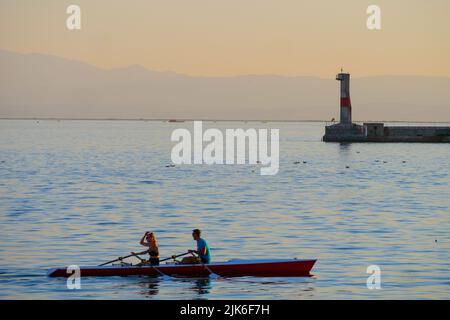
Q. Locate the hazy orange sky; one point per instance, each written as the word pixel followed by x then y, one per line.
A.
pixel 235 37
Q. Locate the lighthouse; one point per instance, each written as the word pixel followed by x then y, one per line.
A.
pixel 346 131
pixel 346 105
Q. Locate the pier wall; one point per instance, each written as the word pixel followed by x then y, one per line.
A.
pixel 407 131
pixel 377 132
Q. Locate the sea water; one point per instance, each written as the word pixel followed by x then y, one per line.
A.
pixel 84 192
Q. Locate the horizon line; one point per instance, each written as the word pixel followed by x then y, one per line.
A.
pixel 180 120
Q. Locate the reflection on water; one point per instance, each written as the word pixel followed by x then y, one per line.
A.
pixel 83 192
pixel 198 286
pixel 202 286
pixel 344 146
pixel 149 286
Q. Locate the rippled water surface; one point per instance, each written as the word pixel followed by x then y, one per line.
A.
pixel 83 192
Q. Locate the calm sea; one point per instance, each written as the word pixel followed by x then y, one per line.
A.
pixel 84 192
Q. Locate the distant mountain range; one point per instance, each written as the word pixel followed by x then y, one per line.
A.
pixel 37 85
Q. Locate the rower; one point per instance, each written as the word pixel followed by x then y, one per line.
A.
pixel 149 240
pixel 203 251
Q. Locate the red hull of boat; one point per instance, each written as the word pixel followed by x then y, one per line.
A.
pixel 268 268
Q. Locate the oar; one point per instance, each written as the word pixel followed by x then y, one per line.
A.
pixel 142 260
pixel 120 258
pixel 134 255
pixel 175 256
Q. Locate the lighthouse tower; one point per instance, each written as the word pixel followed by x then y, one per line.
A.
pixel 346 106
pixel 345 130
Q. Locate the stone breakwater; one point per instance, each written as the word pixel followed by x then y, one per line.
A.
pixel 378 132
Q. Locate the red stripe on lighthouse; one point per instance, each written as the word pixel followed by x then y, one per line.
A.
pixel 345 102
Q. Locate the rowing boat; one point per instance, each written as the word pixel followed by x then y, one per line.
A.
pixel 232 268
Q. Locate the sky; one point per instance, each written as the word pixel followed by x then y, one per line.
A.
pixel 238 37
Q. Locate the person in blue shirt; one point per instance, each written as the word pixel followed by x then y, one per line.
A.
pixel 203 251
